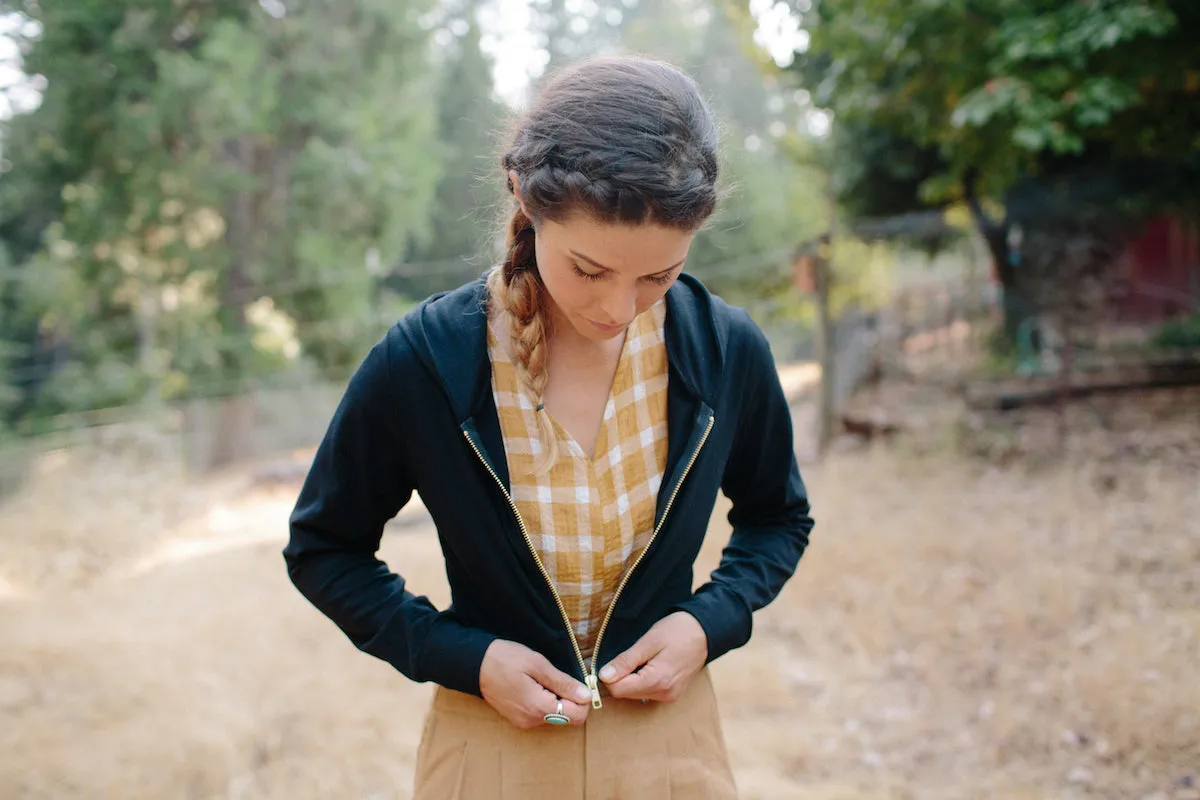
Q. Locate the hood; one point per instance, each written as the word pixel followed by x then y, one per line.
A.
pixel 449 335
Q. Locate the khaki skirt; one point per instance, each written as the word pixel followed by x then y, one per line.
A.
pixel 627 750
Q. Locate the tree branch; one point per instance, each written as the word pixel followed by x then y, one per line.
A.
pixel 987 225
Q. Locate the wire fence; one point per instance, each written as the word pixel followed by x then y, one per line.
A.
pixel 943 323
pixel 937 311
pixel 276 419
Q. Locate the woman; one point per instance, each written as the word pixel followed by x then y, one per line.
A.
pixel 568 421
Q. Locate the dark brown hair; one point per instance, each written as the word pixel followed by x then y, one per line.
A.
pixel 622 140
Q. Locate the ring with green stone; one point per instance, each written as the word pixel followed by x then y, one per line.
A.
pixel 557 717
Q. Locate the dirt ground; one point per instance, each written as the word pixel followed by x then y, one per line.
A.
pixel 957 630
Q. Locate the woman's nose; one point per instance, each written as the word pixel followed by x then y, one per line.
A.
pixel 621 306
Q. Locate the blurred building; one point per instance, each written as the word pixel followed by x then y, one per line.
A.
pixel 1160 272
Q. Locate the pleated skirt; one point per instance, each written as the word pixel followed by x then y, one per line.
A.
pixel 627 750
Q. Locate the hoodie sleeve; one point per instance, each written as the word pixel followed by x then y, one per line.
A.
pixel 359 479
pixel 770 513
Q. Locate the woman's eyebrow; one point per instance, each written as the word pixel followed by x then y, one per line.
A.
pixel 595 264
pixel 603 268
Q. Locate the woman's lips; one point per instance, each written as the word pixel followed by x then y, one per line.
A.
pixel 608 328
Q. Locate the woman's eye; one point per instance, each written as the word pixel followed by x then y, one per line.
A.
pixel 587 276
pixel 661 280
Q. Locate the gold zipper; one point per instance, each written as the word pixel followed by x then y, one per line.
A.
pixel 591 683
pixel 590 676
pixel 596 703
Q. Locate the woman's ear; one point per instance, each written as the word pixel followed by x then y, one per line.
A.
pixel 515 183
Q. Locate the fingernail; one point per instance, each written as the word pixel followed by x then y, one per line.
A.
pixel 583 694
pixel 608 673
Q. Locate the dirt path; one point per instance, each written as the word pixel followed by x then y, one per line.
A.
pixel 954 632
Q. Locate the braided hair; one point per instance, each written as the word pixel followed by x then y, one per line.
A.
pixel 620 139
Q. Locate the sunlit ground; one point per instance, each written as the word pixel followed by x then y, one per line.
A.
pixel 956 631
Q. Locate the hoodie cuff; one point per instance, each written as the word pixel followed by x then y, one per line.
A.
pixel 726 620
pixel 453 654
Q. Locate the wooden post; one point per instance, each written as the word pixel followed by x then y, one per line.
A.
pixel 822 279
pixel 828 349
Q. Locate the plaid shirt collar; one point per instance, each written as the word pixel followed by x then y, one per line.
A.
pixel 454 326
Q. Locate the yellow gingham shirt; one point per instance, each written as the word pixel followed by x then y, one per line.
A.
pixel 589 520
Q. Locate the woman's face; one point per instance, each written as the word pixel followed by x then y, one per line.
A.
pixel 600 276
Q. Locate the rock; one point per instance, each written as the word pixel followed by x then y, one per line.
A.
pixel 867 429
pixel 1073 738
pixel 987 709
pixel 1080 775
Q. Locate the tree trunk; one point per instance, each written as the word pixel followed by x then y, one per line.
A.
pixel 828 401
pixel 822 279
pixel 1015 306
pixel 251 215
pixel 233 433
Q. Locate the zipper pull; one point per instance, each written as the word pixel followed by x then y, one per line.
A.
pixel 593 683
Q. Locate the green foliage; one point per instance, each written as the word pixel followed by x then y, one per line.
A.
pixel 455 242
pixel 217 194
pixel 1046 90
pixel 1030 112
pixel 997 87
pixel 1182 333
pixel 196 200
pixel 772 205
pixel 774 200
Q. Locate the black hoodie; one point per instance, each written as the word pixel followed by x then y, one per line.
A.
pixel 418 415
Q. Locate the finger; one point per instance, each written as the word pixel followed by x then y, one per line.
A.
pixel 557 681
pixel 648 684
pixel 548 703
pixel 633 687
pixel 540 702
pixel 578 712
pixel 632 659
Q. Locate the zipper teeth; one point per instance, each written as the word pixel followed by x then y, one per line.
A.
pixel 670 502
pixel 529 541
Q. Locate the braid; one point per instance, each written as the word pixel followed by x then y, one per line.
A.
pixel 520 297
pixel 621 140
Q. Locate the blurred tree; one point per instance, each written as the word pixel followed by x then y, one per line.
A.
pixel 30 200
pixel 213 185
pixel 731 68
pixel 456 243
pixel 311 135
pixel 575 29
pixel 773 201
pixel 1000 102
pixel 667 29
pixel 80 159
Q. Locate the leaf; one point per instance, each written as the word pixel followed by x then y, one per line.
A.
pixel 978 107
pixel 1031 138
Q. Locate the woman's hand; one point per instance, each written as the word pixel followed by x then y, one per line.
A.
pixel 662 663
pixel 523 686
